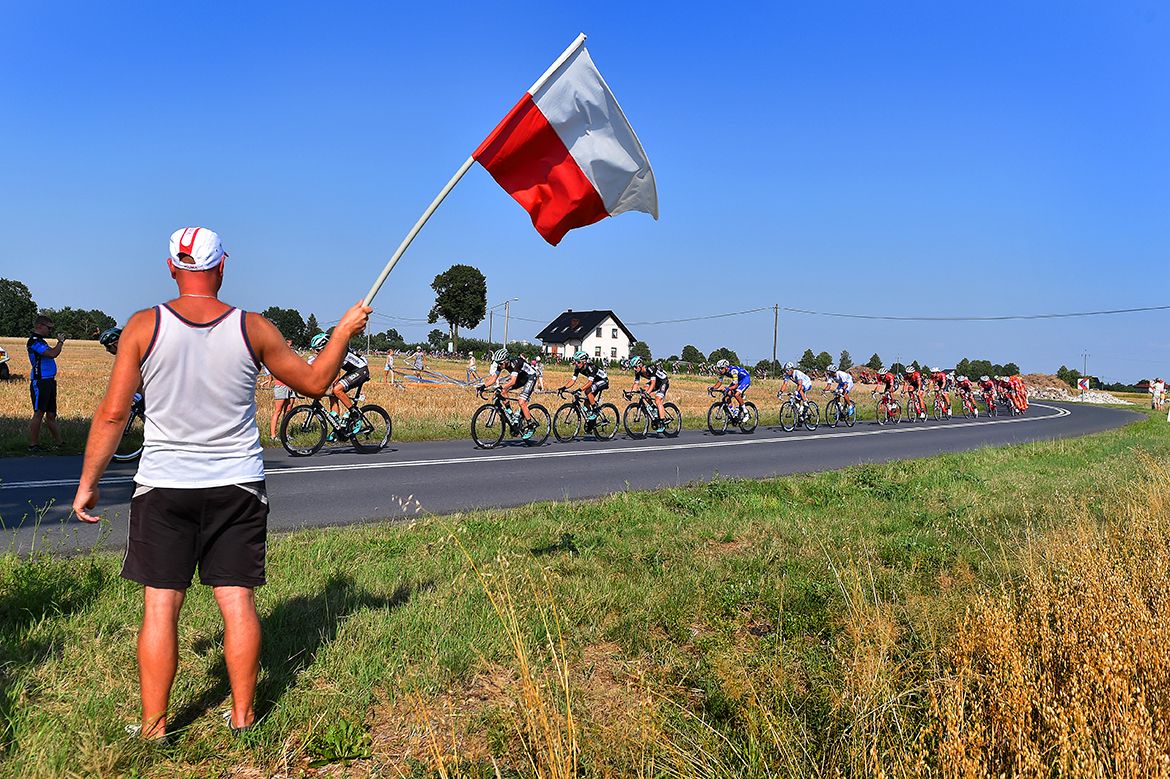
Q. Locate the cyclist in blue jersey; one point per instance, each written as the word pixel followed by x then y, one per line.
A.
pixel 803 382
pixel 736 379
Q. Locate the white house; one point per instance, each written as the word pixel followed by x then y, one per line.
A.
pixel 597 333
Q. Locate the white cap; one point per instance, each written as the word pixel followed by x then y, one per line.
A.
pixel 202 245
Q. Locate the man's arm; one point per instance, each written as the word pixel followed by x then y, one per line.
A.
pixel 109 420
pixel 54 351
pixel 285 364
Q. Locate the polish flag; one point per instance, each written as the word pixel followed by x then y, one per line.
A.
pixel 566 153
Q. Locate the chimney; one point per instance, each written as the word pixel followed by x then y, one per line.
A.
pixel 568 310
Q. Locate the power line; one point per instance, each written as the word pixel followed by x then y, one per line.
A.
pixel 698 318
pixel 1002 318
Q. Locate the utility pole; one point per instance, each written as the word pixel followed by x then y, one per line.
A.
pixel 490 315
pixel 507 307
pixel 1085 366
pixel 775 331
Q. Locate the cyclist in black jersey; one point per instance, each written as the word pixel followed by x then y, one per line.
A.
pixel 514 373
pixel 355 372
pixel 596 381
pixel 657 383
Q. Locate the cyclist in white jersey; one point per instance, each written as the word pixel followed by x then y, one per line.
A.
pixel 801 379
pixel 355 371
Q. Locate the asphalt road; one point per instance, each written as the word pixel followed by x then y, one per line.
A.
pixel 339 487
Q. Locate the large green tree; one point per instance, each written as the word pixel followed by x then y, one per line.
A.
pixel 875 362
pixel 845 361
pixel 290 324
pixel 824 360
pixel 460 299
pixel 641 349
pixel 79 323
pixel 692 354
pixel 808 361
pixel 311 327
pixel 437 340
pixel 18 311
pixel 723 353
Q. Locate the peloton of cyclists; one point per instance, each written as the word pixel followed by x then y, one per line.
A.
pixel 941 380
pixel 518 374
pixel 801 379
pixel 657 383
pixel 596 381
pixel 913 387
pixel 355 372
pixel 736 380
pixel 844 380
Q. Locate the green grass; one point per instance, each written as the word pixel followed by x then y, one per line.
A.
pixel 714 596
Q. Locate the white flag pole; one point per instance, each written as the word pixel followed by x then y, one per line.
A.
pixel 466 166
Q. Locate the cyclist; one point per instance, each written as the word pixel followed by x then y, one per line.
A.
pixel 966 392
pixel 355 372
pixel 657 383
pixel 1019 392
pixel 844 381
pixel 519 376
pixel 109 339
pixel 803 382
pixel 942 381
pixel 1004 390
pixel 738 380
pixel 914 389
pixel 596 381
pixel 987 390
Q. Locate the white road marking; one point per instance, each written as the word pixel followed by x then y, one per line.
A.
pixel 787 438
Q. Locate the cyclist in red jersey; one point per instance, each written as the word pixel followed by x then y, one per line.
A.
pixel 914 390
pixel 1019 393
pixel 887 385
pixel 966 392
pixel 940 380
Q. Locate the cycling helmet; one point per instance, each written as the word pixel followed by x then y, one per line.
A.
pixel 579 356
pixel 960 378
pixel 110 337
pixel 789 366
pixel 318 341
pixel 830 368
pixel 635 361
pixel 984 378
pixel 936 370
pixel 723 365
pixel 499 355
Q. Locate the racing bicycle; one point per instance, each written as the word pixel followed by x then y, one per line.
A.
pixel 967 400
pixel 305 428
pixel 725 412
pixel 795 413
pixel 573 418
pixel 642 411
pixel 940 409
pixel 992 406
pixel 491 420
pixel 915 407
pixel 130 444
pixel 888 410
pixel 838 411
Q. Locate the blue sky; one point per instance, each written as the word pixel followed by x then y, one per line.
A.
pixel 910 158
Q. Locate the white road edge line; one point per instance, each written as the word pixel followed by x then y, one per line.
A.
pixel 788 438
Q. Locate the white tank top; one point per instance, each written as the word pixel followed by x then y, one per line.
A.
pixel 199 381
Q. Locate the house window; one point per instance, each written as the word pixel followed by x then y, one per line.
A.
pixel 599 332
pixel 614 333
pixel 613 353
pixel 597 351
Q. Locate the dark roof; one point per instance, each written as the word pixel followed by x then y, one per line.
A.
pixel 575 325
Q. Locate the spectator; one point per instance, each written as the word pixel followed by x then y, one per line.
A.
pixel 200 499
pixel 418 363
pixel 472 373
pixel 1158 391
pixel 388 369
pixel 539 369
pixel 282 398
pixel 43 383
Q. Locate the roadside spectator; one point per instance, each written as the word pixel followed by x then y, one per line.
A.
pixel 43 383
pixel 282 398
pixel 418 363
pixel 1158 390
pixel 472 373
pixel 200 498
pixel 539 370
pixel 388 369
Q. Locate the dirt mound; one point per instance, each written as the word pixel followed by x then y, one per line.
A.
pixel 1044 381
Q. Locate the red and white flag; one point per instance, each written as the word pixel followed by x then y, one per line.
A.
pixel 566 153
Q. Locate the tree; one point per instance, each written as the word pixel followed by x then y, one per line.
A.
pixel 771 366
pixel 1011 369
pixel 824 360
pixel 808 361
pixel 311 329
pixel 18 311
pixel 875 362
pixel 290 324
pixel 692 354
pixel 460 299
pixel 640 349
pixel 79 323
pixel 723 353
pixel 964 367
pixel 982 368
pixel 845 361
pixel 1067 375
pixel 897 369
pixel 436 339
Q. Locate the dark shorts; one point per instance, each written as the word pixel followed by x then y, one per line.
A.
pixel 355 378
pixel 597 387
pixel 222 530
pixel 44 395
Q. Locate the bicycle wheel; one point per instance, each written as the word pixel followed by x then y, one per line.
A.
pixel 302 432
pixel 850 414
pixel 968 410
pixel 566 423
pixel 750 418
pixel 992 409
pixel 832 412
pixel 487 426
pixel 812 416
pixel 938 410
pixel 130 444
pixel 605 427
pixel 543 425
pixel 375 432
pixel 717 419
pixel 788 416
pixel 882 413
pixel 673 420
pixel 636 421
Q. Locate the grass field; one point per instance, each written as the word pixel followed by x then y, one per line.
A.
pixel 998 612
pixel 419 411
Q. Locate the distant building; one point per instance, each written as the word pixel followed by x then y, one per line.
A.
pixel 597 333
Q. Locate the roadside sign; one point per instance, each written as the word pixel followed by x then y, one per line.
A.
pixel 1083 383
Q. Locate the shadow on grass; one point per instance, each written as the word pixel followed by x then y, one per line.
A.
pixel 14 435
pixel 293 633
